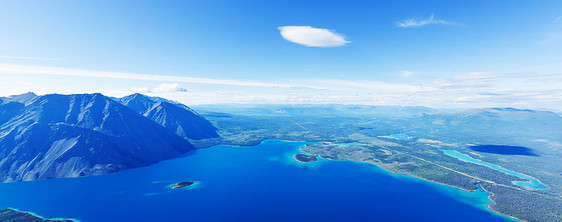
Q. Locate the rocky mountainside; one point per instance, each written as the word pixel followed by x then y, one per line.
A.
pixel 25 98
pixel 55 136
pixel 175 117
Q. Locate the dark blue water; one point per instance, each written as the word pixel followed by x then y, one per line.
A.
pixel 260 183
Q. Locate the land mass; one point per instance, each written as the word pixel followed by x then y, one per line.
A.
pixel 10 215
pixel 79 135
pixel 421 153
pixel 304 158
pixel 55 136
pixel 182 184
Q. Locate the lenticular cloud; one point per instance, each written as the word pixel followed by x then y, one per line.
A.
pixel 312 37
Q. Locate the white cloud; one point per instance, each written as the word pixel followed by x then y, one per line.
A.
pixel 488 75
pixel 468 90
pixel 47 70
pixel 26 83
pixel 552 33
pixel 162 88
pixel 406 73
pixel 25 58
pixel 171 87
pixel 312 37
pixel 555 20
pixel 366 85
pixel 413 23
pixel 473 80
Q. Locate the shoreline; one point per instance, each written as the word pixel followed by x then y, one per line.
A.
pixel 39 216
pixel 402 174
pixel 524 180
pixel 490 206
pixel 431 181
pixel 319 156
pixel 435 182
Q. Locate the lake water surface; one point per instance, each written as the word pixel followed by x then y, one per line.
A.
pixel 531 182
pixel 259 183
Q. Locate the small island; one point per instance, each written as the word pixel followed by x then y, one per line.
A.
pixel 182 184
pixel 304 158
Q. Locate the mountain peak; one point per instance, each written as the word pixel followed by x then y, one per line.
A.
pixel 176 117
pixel 135 96
pixel 25 98
pixel 137 102
pixel 32 94
pixel 79 135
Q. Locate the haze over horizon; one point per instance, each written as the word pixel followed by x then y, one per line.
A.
pixel 436 54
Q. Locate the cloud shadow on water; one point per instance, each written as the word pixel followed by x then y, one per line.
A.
pixel 504 150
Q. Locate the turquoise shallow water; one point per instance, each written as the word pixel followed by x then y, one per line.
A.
pixel 531 184
pixel 259 183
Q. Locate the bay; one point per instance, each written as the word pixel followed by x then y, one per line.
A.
pixel 258 183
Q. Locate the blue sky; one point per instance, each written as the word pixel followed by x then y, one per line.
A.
pixel 432 53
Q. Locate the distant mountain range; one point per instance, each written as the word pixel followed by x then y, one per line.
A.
pixel 54 136
pixel 496 117
pixel 490 124
pixel 331 110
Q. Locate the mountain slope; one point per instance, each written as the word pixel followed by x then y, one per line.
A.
pixel 78 135
pixel 497 117
pixel 177 118
pixel 25 98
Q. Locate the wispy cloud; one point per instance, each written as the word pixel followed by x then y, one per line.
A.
pixel 366 85
pixel 46 70
pixel 474 80
pixel 555 20
pixel 406 73
pixel 25 58
pixel 312 37
pixel 488 75
pixel 26 83
pixel 162 88
pixel 413 23
pixel 474 89
pixel 170 87
pixel 553 33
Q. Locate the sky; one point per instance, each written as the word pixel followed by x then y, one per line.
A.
pixel 442 54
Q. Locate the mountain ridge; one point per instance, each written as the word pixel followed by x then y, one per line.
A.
pixel 74 135
pixel 177 118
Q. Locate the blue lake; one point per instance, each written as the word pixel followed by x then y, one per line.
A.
pixel 532 183
pixel 259 183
